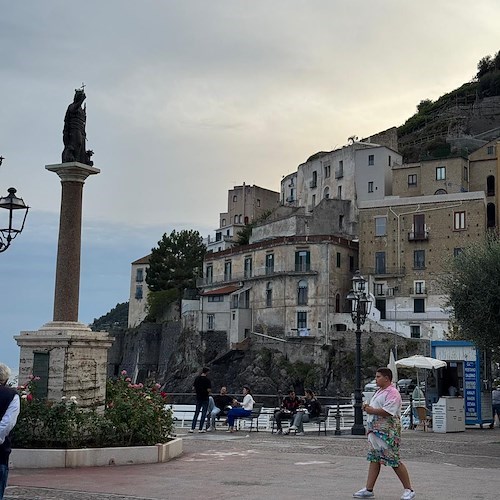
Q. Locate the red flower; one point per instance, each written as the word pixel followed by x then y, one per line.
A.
pixel 163 395
pixel 29 397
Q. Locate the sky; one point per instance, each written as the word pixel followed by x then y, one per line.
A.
pixel 188 98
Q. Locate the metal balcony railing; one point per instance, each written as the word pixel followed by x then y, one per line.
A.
pixel 418 236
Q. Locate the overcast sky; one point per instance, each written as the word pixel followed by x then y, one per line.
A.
pixel 188 98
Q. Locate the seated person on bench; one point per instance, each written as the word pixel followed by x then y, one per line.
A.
pixel 222 404
pixel 312 409
pixel 288 409
pixel 243 409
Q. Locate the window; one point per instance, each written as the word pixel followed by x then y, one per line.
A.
pixel 418 305
pixel 139 275
pixel 415 331
pixel 440 173
pixel 223 222
pixel 338 259
pixel 326 193
pixel 302 293
pixel 227 271
pixel 418 227
pixel 235 198
pixel 313 200
pixel 301 319
pixel 236 219
pixel 351 263
pixel 303 260
pixel 341 221
pixel 419 259
pixel 371 160
pixel 337 303
pixel 209 275
pixel 419 287
pixel 380 226
pixel 326 170
pixel 457 251
pixel 490 150
pixel 270 263
pixel 210 322
pixel 240 218
pixel 258 202
pixel 218 236
pixel 412 180
pixel 314 180
pixel 378 289
pixel 458 221
pixel 216 298
pixel 389 162
pixel 379 262
pixel 466 173
pixel 138 292
pixel 339 192
pixel 339 173
pixel 370 187
pixel 248 267
pixel 490 185
pixel 269 295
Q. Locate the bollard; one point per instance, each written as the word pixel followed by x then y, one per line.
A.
pixel 411 412
pixel 337 419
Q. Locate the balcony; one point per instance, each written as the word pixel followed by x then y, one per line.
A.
pixel 418 236
pixel 385 272
pixel 290 199
pixel 313 183
pixel 384 292
pixel 419 291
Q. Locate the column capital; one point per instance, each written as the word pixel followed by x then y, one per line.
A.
pixel 73 171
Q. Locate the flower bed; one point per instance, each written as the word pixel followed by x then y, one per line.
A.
pixel 134 415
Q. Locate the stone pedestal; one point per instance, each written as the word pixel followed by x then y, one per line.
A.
pixel 77 360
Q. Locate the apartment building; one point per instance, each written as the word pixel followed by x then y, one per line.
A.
pixel 286 287
pixel 404 247
pixel 138 291
pixel 244 205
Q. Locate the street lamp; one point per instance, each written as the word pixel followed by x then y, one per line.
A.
pixel 360 308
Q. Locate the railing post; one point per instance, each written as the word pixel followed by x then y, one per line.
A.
pixel 338 432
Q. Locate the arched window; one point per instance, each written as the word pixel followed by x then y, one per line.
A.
pixel 441 191
pixel 240 219
pixel 302 293
pixel 490 215
pixel 490 185
pixel 269 294
pixel 326 193
pixel 236 219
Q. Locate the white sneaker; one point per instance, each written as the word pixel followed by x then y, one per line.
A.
pixel 408 495
pixel 292 428
pixel 363 493
pixel 300 433
pixel 190 431
pixel 201 431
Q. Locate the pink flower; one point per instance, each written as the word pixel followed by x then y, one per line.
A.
pixel 157 386
pixel 124 372
pixel 32 377
pixel 128 379
pixel 36 378
pixel 131 386
pixel 140 386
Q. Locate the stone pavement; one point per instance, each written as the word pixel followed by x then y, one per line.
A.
pixel 462 466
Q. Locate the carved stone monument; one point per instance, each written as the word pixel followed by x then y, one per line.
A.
pixel 69 358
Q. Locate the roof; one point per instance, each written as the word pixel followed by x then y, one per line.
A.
pixel 225 290
pixel 142 260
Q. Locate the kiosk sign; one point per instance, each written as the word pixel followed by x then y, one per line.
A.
pixel 470 388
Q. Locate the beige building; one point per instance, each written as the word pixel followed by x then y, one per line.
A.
pixel 404 246
pixel 138 292
pixel 244 205
pixel 287 287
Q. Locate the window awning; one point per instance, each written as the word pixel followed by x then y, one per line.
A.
pixel 225 290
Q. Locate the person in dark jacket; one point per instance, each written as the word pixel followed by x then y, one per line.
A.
pixel 203 387
pixel 289 407
pixel 10 405
pixel 311 409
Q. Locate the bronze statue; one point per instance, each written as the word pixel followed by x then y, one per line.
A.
pixel 74 136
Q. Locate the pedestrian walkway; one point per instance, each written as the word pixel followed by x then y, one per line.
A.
pixel 257 466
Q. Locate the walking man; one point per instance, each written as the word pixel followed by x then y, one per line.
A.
pixel 9 411
pixel 203 387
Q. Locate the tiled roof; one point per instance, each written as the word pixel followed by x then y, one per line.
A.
pixel 225 290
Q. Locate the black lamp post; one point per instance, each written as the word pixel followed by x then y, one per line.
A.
pixel 18 211
pixel 360 308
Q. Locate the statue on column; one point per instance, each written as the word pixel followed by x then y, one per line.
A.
pixel 74 136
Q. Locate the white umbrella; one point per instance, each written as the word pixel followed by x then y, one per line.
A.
pixel 420 362
pixel 393 368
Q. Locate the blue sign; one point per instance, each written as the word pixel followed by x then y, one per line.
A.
pixel 471 399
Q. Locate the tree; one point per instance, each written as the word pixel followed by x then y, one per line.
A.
pixel 176 262
pixel 243 235
pixel 473 289
pixel 485 65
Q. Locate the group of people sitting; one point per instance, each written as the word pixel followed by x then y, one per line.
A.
pixel 298 410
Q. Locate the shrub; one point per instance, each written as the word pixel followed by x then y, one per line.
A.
pixel 134 415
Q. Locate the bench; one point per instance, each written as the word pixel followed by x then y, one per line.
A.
pixel 257 408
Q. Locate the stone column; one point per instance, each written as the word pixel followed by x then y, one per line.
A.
pixel 77 356
pixel 67 289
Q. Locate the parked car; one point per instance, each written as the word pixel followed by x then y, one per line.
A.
pixel 406 385
pixel 371 386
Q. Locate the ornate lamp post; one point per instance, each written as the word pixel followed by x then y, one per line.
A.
pixel 17 212
pixel 360 308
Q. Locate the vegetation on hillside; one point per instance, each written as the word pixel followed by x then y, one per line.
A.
pixel 243 236
pixel 486 83
pixel 116 318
